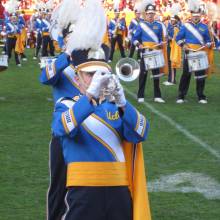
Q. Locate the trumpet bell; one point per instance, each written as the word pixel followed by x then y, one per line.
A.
pixel 127 69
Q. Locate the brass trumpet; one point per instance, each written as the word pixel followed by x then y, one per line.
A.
pixel 127 70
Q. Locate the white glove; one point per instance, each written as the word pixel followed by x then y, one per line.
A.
pixel 120 99
pixel 99 79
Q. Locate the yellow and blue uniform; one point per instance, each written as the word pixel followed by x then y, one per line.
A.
pixel 149 34
pixel 116 28
pixel 78 123
pixel 174 51
pixel 46 39
pixel 188 37
pixel 38 31
pixel 194 36
pixel 112 26
pixel 142 34
pixel 12 30
pixel 92 139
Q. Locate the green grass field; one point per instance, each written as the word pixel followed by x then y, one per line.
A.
pixel 182 153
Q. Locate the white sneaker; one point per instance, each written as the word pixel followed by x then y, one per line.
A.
pixel 166 83
pixel 24 59
pixel 203 101
pixel 140 100
pixel 180 101
pixel 159 100
pixel 19 65
pixel 34 58
pixel 109 61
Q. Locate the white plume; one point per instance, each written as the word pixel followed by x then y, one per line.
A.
pixel 49 4
pixel 145 3
pixel 116 4
pixel 90 26
pixel 138 6
pixel 175 9
pixel 40 5
pixel 194 5
pixel 69 12
pixel 212 10
pixel 12 6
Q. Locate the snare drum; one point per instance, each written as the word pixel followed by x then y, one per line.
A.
pixel 46 60
pixel 153 59
pixel 197 61
pixel 3 62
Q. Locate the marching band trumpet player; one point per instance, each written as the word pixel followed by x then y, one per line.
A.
pixel 116 28
pixel 92 131
pixel 103 153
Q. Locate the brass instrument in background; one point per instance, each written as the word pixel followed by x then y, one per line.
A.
pixel 127 70
pixel 117 25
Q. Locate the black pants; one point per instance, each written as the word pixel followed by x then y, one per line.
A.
pixel 132 50
pixel 98 203
pixel 57 189
pixel 46 40
pixel 119 40
pixel 38 44
pixel 172 71
pixel 185 81
pixel 143 80
pixel 10 45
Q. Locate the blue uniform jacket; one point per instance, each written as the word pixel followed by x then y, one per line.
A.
pixel 45 25
pixel 142 33
pixel 12 28
pixel 112 26
pixel 187 37
pixel 92 133
pixel 37 25
pixel 60 75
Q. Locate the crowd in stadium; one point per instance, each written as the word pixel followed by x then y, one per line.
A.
pixel 34 28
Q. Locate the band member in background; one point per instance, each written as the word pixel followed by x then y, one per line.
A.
pixel 116 28
pixel 149 34
pixel 12 29
pixel 37 27
pixel 21 38
pixel 131 30
pixel 174 60
pixel 193 35
pixel 46 39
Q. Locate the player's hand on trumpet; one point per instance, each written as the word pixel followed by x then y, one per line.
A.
pixel 99 80
pixel 119 95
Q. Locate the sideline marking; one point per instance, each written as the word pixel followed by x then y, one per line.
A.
pixel 186 182
pixel 179 127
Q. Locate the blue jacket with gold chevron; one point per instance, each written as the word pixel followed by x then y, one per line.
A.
pixel 12 28
pixel 60 75
pixel 92 139
pixel 194 35
pixel 148 32
pixel 133 25
pixel 114 23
